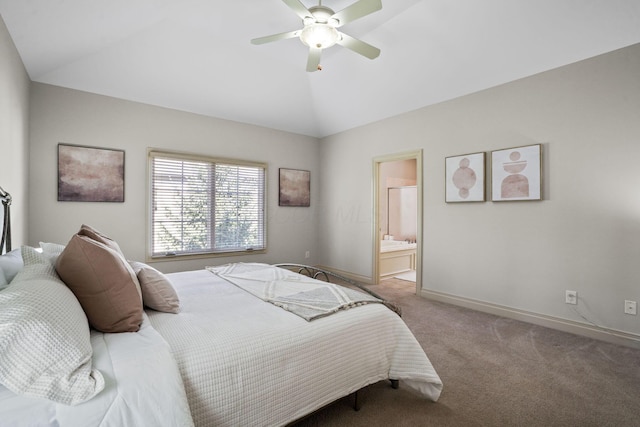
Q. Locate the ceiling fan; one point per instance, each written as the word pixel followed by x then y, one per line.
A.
pixel 320 29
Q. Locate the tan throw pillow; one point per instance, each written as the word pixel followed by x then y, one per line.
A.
pixel 157 291
pixel 103 282
pixel 94 234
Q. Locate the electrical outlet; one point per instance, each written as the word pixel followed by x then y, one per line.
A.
pixel 630 307
pixel 571 297
pixel 307 254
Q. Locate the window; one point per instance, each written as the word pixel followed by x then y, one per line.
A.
pixel 202 205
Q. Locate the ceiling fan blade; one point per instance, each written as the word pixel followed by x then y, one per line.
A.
pixel 298 8
pixel 276 37
pixel 313 62
pixel 359 46
pixel 357 10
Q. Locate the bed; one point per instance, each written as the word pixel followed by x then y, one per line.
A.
pixel 226 357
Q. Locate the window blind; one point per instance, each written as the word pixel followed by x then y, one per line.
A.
pixel 202 205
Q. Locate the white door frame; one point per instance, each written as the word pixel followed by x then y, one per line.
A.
pixel 417 155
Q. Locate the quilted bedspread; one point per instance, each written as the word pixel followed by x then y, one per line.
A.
pixel 248 362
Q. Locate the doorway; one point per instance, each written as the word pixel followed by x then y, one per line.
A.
pixel 397 246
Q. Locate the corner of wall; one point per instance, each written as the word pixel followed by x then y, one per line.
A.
pixel 14 134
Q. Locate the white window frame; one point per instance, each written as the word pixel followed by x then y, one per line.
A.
pixel 156 252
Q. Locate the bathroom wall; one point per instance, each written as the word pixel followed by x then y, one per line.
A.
pixel 392 174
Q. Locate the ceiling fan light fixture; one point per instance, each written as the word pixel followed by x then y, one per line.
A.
pixel 319 30
pixel 319 36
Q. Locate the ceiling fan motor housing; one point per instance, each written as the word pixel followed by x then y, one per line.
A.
pixel 322 15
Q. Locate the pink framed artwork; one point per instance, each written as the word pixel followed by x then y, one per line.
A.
pixel 465 178
pixel 516 174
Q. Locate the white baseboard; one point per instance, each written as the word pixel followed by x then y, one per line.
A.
pixel 358 278
pixel 584 329
pixel 578 328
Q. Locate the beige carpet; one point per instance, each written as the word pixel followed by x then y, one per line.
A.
pixel 499 372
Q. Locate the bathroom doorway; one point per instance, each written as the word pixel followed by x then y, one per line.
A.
pixel 398 218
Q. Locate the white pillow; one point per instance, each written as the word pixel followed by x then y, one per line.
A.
pixel 52 251
pixel 10 265
pixel 45 348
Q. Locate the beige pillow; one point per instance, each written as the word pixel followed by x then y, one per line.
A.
pixel 103 282
pixel 157 291
pixel 45 347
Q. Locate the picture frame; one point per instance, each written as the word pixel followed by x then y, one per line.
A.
pixel 90 174
pixel 465 178
pixel 294 188
pixel 516 173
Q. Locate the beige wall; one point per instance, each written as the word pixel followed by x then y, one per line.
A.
pixel 584 235
pixel 520 256
pixel 73 117
pixel 14 136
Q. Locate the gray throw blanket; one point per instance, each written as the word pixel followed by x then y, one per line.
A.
pixel 301 295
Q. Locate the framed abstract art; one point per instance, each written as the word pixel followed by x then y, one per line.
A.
pixel 294 188
pixel 90 174
pixel 516 173
pixel 465 178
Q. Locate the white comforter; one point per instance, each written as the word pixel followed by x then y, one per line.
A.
pixel 247 362
pixel 142 388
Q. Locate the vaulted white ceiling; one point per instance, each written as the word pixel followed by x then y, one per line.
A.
pixel 196 55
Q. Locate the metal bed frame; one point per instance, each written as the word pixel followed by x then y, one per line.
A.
pixel 5 228
pixel 316 273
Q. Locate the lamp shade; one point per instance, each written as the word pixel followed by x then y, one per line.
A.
pixel 320 36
